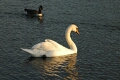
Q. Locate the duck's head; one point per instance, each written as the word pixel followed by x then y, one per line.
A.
pixel 40 7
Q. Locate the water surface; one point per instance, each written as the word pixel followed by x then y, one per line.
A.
pixel 98 56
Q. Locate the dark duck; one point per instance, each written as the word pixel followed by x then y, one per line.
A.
pixel 32 12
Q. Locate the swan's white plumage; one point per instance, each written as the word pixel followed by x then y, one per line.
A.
pixel 50 48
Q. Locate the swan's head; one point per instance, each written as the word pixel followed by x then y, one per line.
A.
pixel 74 28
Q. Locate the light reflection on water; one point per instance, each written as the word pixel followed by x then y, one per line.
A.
pixel 40 19
pixel 59 67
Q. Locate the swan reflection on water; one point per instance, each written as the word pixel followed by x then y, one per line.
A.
pixel 58 67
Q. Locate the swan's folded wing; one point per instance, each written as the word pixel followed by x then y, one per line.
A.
pixel 48 45
pixel 57 45
pixel 45 46
pixel 37 46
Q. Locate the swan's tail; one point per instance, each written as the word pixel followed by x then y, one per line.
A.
pixel 27 50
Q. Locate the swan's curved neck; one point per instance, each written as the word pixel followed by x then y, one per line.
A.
pixel 69 40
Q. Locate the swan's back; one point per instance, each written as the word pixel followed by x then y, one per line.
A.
pixel 45 46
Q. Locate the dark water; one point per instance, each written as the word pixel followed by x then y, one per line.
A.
pixel 98 56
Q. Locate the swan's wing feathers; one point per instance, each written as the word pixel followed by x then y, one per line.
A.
pixel 36 46
pixel 57 45
pixel 52 42
pixel 45 46
pixel 48 45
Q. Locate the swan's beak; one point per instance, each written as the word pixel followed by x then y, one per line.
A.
pixel 77 31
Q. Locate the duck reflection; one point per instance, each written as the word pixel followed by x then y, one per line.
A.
pixel 61 67
pixel 40 20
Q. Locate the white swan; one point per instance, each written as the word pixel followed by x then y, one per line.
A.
pixel 50 48
pixel 31 12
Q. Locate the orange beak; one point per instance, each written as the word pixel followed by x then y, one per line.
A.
pixel 77 31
